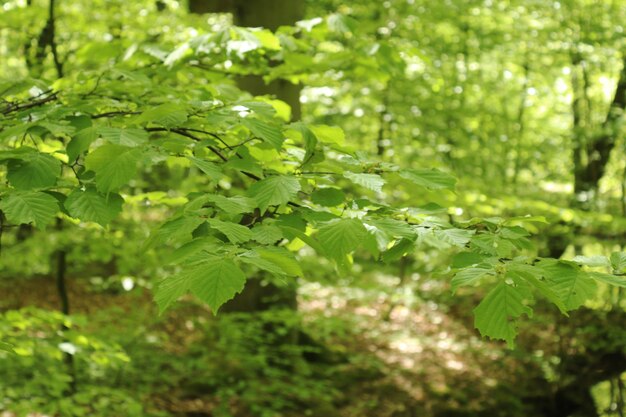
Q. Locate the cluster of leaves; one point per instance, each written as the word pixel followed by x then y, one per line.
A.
pixel 258 188
pixel 35 378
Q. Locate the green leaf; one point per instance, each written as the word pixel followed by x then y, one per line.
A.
pixel 216 281
pixel 177 229
pixel 269 133
pixel 212 169
pixel 267 235
pixel 170 290
pixel 253 258
pixel 114 166
pixel 618 261
pixel 616 281
pixel 328 197
pixel 329 134
pixel 309 240
pixel 573 286
pixel 469 276
pixel 310 140
pixel 372 182
pixel 282 258
pixel 532 275
pixel 81 141
pixel 392 228
pixel 341 237
pixel 455 237
pixel 91 206
pixel 30 207
pixel 182 253
pixel 275 260
pixel 233 205
pixel 236 233
pixel 276 190
pixel 6 347
pixel 430 178
pixel 124 137
pixel 496 315
pixel 168 115
pixel 592 261
pixel 35 170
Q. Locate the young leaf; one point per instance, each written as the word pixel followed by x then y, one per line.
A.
pixel 216 281
pixel 124 137
pixel 267 235
pixel 171 289
pixel 269 133
pixel 168 115
pixel 35 171
pixel 114 166
pixel 329 134
pixel 212 169
pixel 496 315
pixel 30 206
pixel 91 206
pixel 341 237
pixel 236 233
pixel 573 286
pixel 276 190
pixel 430 178
pixel 468 276
pixel 372 182
pixel 618 261
pixel 328 197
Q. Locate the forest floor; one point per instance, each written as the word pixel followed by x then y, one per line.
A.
pixel 397 360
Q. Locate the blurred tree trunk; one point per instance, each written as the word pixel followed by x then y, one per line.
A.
pixel 591 156
pixel 271 14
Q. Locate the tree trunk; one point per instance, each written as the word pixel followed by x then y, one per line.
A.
pixel 590 170
pixel 271 14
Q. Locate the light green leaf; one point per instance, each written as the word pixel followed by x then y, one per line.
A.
pixel 178 229
pixel 6 347
pixel 430 178
pixel 328 197
pixel 267 235
pixel 469 276
pixel 592 261
pixel 212 169
pixel 269 133
pixel 341 237
pixel 618 261
pixel 232 205
pixel 392 228
pixel 171 289
pixel 124 137
pixel 168 115
pixel 35 170
pixel 533 276
pixel 573 286
pixel 114 166
pixel 236 233
pixel 276 190
pixel 81 141
pixel 216 281
pixel 328 134
pixel 617 281
pixel 496 315
pixel 282 258
pixel 30 207
pixel 372 182
pixel 91 206
pixel 455 237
